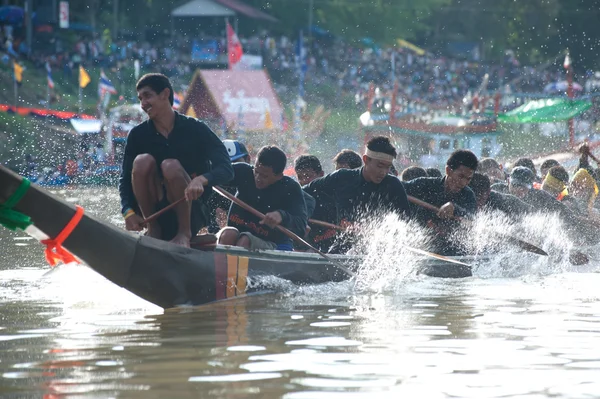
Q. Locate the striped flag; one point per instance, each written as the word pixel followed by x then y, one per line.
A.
pixel 49 75
pixel 177 98
pixel 105 86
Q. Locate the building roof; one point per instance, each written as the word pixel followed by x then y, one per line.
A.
pixel 219 8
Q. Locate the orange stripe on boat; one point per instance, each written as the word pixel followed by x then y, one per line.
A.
pixel 242 275
pixel 232 269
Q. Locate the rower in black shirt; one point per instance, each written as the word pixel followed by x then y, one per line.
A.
pixel 449 193
pixel 278 197
pixel 308 168
pixel 167 157
pixel 581 229
pixel 357 193
pixel 508 204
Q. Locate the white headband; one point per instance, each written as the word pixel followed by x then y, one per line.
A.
pixel 381 156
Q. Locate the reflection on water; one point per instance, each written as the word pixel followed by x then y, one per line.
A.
pixel 70 333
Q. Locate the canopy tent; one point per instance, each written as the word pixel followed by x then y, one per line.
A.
pixel 546 110
pixel 242 100
pixel 202 8
pixel 219 8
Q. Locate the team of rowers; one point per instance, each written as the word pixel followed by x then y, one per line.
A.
pixel 171 156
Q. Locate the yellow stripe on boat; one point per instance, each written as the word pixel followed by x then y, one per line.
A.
pixel 242 275
pixel 232 270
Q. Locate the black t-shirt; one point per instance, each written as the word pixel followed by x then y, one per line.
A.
pixel 191 142
pixel 284 196
pixel 433 191
pixel 321 237
pixel 354 197
pixel 508 204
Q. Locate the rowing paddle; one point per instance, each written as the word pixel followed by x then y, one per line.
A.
pixel 523 244
pixel 415 250
pixel 154 216
pixel 285 231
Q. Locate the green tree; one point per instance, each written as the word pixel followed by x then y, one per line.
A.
pixel 578 29
pixel 523 26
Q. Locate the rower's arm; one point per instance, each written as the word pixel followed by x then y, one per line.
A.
pixel 294 215
pixel 399 198
pixel 468 204
pixel 128 200
pixel 311 204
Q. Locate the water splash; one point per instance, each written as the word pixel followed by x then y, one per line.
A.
pixel 489 238
pixel 387 263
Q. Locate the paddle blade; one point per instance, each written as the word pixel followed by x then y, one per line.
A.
pixel 525 245
pixel 436 256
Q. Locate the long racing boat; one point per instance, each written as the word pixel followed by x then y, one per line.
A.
pixel 169 275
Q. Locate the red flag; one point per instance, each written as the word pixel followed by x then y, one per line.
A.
pixel 234 47
pixel 567 62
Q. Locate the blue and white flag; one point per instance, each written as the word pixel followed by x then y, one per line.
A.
pixel 177 98
pixel 49 75
pixel 105 86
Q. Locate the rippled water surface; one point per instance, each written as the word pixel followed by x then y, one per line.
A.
pixel 71 333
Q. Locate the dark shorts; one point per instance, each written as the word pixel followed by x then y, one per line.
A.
pixel 168 220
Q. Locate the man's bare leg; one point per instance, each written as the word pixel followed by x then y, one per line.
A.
pixel 176 181
pixel 147 189
pixel 228 236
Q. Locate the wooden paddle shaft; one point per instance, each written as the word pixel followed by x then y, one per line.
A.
pixel 424 204
pixel 325 224
pixel 261 215
pixel 154 216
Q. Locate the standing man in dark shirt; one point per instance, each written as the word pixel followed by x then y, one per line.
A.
pixel 449 193
pixel 357 193
pixel 278 197
pixel 167 157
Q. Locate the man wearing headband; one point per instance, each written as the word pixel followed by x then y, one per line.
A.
pixel 450 194
pixel 369 190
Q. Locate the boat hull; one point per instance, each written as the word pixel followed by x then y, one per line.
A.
pixel 168 275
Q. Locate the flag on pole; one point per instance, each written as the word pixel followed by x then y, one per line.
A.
pixel 567 62
pixel 177 98
pixel 268 119
pixel 84 78
pixel 234 47
pixel 49 76
pixel 105 86
pixel 18 72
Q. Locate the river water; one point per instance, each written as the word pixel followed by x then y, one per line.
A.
pixel 69 333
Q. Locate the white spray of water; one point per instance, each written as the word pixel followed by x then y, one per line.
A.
pixel 489 237
pixel 387 263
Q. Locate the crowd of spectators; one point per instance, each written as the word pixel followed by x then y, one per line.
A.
pixel 436 81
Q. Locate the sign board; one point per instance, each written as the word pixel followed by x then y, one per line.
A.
pixel 206 50
pixel 63 14
pixel 249 62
